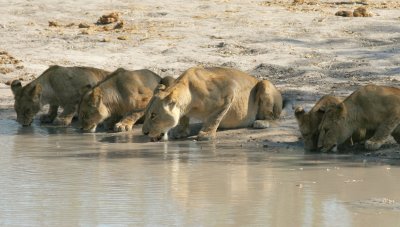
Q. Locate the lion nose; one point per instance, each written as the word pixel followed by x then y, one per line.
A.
pixel 146 133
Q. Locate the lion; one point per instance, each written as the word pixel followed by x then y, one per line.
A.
pixel 219 97
pixel 309 123
pixel 376 108
pixel 58 86
pixel 120 100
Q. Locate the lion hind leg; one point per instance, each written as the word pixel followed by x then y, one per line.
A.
pixel 128 121
pixel 382 133
pixel 269 101
pixel 51 115
pixel 209 129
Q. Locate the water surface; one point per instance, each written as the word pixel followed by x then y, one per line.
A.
pixel 59 177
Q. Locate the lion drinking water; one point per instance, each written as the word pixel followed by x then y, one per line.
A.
pixel 376 108
pixel 58 86
pixel 219 97
pixel 120 99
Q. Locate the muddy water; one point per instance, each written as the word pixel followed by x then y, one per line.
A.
pixel 59 177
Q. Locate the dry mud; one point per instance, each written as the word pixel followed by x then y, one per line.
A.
pixel 303 48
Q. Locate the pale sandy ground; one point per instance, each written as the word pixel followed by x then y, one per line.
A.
pixel 304 49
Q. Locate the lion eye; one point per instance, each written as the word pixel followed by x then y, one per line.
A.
pixel 152 116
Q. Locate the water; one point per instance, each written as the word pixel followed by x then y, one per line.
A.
pixel 60 177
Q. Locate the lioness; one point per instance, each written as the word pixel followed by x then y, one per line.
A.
pixel 373 107
pixel 58 86
pixel 220 97
pixel 121 99
pixel 309 122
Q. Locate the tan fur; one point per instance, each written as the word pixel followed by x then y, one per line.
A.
pixel 59 87
pixel 309 123
pixel 219 97
pixel 376 108
pixel 120 100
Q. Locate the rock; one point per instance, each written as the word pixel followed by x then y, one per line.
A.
pixel 361 12
pixel 119 25
pixel 122 37
pixel 53 24
pixel 84 25
pixel 344 13
pixel 108 19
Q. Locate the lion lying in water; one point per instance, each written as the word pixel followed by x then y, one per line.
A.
pixel 58 86
pixel 309 123
pixel 376 108
pixel 121 99
pixel 219 97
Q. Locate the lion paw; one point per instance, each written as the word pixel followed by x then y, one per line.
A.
pixel 62 121
pixel 46 118
pixel 372 145
pixel 261 124
pixel 179 133
pixel 122 127
pixel 205 136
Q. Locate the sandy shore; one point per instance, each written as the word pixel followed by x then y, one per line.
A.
pixel 304 49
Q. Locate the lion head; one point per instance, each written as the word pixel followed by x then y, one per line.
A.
pixel 333 129
pixel 27 101
pixel 308 125
pixel 91 110
pixel 162 114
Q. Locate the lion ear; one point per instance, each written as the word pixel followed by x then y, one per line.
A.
pixel 340 107
pixel 36 92
pixel 16 87
pixel 159 88
pixel 299 112
pixel 322 109
pixel 95 97
pixel 167 81
pixel 170 101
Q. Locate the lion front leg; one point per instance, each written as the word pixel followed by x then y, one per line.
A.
pixel 50 116
pixel 396 134
pixel 210 126
pixel 182 130
pixel 65 118
pixel 382 133
pixel 128 121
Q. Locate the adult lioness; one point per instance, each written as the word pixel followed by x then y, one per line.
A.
pixel 373 107
pixel 309 122
pixel 220 97
pixel 58 86
pixel 121 99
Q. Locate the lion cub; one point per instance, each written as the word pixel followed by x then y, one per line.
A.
pixel 219 97
pixel 373 107
pixel 58 86
pixel 121 99
pixel 309 123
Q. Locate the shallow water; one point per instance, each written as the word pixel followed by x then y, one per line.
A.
pixel 59 177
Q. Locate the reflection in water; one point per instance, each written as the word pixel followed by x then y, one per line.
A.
pixel 57 176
